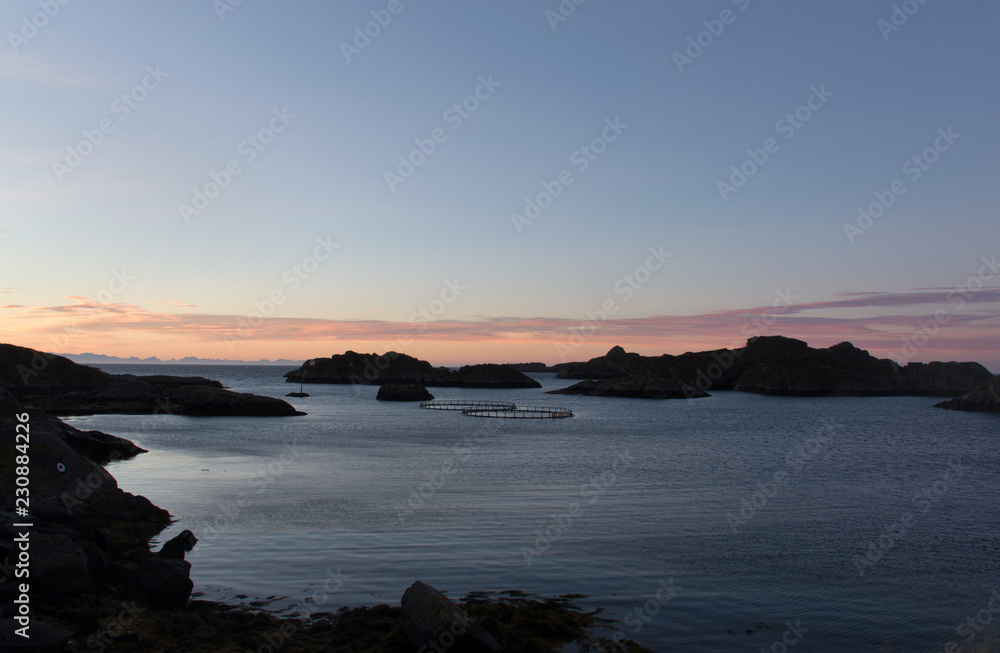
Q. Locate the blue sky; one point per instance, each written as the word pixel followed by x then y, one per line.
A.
pixel 192 283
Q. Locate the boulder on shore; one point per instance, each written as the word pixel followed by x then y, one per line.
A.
pixel 396 392
pixel 161 582
pixel 178 546
pixel 432 620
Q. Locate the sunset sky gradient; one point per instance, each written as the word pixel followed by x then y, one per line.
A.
pixel 309 249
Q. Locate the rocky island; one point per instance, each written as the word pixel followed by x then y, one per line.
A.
pixel 59 386
pixel 403 393
pixel 393 368
pixel 773 365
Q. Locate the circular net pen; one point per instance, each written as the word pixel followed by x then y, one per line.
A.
pixel 455 404
pixel 520 412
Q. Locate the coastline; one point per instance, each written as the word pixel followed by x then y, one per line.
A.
pixel 91 555
pixel 129 552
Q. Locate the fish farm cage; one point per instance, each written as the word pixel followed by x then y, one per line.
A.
pixel 500 409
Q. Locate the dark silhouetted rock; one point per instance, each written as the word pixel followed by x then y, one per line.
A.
pixel 616 363
pixel 489 375
pixel 161 583
pixel 943 379
pixel 101 447
pixel 637 387
pixel 431 619
pixel 97 565
pixel 984 400
pixel 780 366
pixel 530 367
pixel 71 489
pixel 393 368
pixel 403 393
pixel 42 637
pixel 59 564
pixel 783 366
pixel 61 387
pixel 178 546
pixel 208 401
pixel 24 371
pixel 366 369
pixel 177 381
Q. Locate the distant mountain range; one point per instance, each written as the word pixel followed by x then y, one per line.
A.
pixel 97 359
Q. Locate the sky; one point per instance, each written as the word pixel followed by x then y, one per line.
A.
pixel 499 181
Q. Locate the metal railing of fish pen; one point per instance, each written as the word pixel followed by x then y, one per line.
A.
pixel 521 412
pixel 455 404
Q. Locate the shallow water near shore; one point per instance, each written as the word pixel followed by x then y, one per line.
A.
pixel 634 503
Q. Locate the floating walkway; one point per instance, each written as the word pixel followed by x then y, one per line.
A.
pixel 501 409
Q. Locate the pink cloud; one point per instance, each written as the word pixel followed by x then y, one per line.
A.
pixel 864 318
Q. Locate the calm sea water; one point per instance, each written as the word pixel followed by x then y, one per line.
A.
pixel 635 503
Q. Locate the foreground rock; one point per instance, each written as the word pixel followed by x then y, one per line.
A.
pixel 782 366
pixel 432 620
pixel 403 393
pixel 161 583
pixel 394 368
pixel 985 400
pixel 43 638
pixel 99 447
pixel 59 565
pixel 62 387
pixel 88 535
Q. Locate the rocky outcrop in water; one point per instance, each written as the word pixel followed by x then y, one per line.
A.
pixel 638 387
pixel 62 387
pixel 488 375
pixel 531 367
pixel 394 368
pixel 403 393
pixel 783 366
pixel 984 400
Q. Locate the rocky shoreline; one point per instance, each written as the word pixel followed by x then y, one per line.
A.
pixel 94 583
pixel 983 400
pixel 59 386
